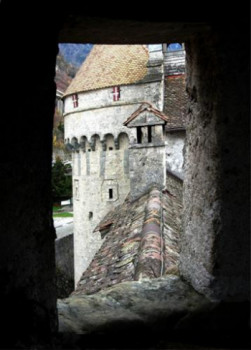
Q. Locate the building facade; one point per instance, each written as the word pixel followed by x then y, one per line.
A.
pixel 109 150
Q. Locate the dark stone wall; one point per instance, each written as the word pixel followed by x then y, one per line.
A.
pixel 64 265
pixel 27 257
pixel 214 254
pixel 218 89
pixel 174 185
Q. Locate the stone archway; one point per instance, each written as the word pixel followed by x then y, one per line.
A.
pixel 217 118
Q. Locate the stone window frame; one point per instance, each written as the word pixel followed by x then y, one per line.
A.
pixel 110 191
pixel 110 184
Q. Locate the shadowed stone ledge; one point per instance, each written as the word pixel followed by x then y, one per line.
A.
pixel 165 302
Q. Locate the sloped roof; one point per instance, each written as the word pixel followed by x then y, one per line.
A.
pixel 110 65
pixel 146 106
pixel 143 242
pixel 175 102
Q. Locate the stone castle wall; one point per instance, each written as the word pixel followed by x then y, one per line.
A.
pixel 100 182
pixel 64 255
pixel 151 92
pixel 101 162
pixel 147 167
pixel 174 146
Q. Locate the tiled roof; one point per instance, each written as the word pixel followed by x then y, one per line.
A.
pixel 110 65
pixel 175 101
pixel 146 106
pixel 142 242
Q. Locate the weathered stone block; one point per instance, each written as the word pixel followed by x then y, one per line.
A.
pixel 64 265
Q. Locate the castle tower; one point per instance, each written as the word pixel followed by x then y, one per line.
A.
pixel 111 84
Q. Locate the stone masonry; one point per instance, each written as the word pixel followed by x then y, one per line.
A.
pixel 108 159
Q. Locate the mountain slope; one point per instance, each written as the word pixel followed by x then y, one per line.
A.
pixel 75 53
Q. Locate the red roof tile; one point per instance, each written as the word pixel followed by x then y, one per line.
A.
pixel 175 102
pixel 128 254
pixel 110 65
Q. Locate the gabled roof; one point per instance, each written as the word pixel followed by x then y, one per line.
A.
pixel 110 65
pixel 146 106
pixel 142 241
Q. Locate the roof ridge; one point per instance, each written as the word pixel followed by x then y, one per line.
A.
pixel 142 108
pixel 151 249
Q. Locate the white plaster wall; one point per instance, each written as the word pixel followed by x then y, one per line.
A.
pixel 93 197
pixel 129 94
pixel 99 121
pixel 174 152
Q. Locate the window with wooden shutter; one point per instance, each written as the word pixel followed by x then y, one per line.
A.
pixel 75 100
pixel 116 93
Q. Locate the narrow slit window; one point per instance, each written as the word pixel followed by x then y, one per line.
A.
pixel 116 93
pixel 149 129
pixel 139 134
pixel 110 193
pixel 75 100
pixel 90 215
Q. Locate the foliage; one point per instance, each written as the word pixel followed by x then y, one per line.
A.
pixel 61 182
pixel 58 135
pixel 56 209
pixel 57 143
pixel 58 118
pixel 63 215
pixel 61 127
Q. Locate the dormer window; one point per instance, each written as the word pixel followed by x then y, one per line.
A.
pixel 149 123
pixel 75 100
pixel 116 93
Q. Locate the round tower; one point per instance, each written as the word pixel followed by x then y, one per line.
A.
pixel 111 84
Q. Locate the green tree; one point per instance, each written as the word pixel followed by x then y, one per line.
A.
pixel 61 181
